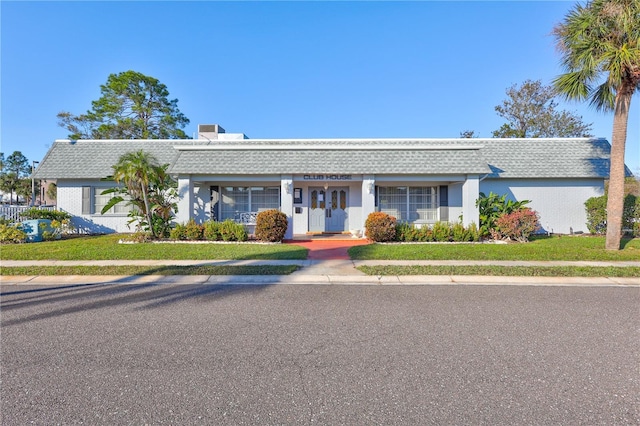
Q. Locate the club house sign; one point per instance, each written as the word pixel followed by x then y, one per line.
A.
pixel 327 177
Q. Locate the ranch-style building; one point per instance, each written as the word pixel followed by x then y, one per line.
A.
pixel 331 185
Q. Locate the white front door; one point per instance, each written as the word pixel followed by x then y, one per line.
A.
pixel 328 209
pixel 317 209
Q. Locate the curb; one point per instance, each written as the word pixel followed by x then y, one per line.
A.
pixel 403 280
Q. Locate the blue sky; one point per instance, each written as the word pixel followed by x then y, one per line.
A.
pixel 286 69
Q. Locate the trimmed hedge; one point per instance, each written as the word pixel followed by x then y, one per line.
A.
pixel 210 230
pixel 271 225
pixel 438 232
pixel 380 227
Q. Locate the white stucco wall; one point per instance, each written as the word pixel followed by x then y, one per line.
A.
pixel 559 202
pixel 69 199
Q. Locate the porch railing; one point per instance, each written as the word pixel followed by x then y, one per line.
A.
pixel 246 218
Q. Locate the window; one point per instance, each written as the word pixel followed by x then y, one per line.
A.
pixel 93 202
pixel 409 204
pixel 393 201
pixel 241 199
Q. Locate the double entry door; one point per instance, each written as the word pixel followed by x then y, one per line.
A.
pixel 328 209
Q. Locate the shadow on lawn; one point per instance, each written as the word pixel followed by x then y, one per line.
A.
pixel 41 303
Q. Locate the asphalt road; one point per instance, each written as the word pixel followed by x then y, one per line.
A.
pixel 303 354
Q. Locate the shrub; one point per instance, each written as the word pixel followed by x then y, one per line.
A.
pixel 473 234
pixel 380 227
pixel 271 225
pixel 36 213
pixel 212 230
pixel 53 230
pixel 597 214
pixel 11 234
pixel 458 232
pixel 442 232
pixel 518 225
pixel 232 231
pixel 178 232
pixel 193 231
pixel 491 207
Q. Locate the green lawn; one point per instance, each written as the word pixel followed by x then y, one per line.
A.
pixel 106 247
pixel 152 270
pixel 511 271
pixel 541 248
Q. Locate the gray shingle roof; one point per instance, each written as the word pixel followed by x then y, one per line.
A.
pixel 512 158
pixel 547 158
pixel 352 161
pixel 85 159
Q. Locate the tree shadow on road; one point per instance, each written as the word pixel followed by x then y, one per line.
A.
pixel 44 302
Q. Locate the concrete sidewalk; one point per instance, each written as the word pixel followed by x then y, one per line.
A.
pixel 320 272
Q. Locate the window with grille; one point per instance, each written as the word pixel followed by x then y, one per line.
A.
pixel 409 204
pixel 93 202
pixel 242 199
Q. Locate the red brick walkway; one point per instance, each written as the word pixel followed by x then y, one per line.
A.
pixel 328 249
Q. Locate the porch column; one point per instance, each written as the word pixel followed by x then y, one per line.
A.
pixel 368 198
pixel 286 202
pixel 185 200
pixel 470 193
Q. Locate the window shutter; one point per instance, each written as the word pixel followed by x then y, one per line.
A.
pixel 86 200
pixel 444 203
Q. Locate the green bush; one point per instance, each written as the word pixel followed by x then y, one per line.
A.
pixel 193 231
pixel 271 225
pixel 178 232
pixel 473 234
pixel 380 227
pixel 597 214
pixel 212 231
pixel 442 232
pixel 52 230
pixel 458 232
pixel 232 231
pixel 36 213
pixel 11 234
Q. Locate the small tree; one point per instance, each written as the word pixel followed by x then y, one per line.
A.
pixel 14 175
pixel 148 188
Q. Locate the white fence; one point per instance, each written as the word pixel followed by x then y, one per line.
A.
pixel 13 212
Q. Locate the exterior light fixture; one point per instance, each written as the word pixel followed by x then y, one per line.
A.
pixel 370 187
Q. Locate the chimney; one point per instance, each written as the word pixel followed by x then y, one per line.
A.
pixel 209 131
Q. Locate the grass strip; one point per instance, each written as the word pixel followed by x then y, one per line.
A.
pixel 156 270
pixel 106 247
pixel 521 271
pixel 540 248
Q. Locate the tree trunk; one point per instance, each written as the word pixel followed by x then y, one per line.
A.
pixel 615 199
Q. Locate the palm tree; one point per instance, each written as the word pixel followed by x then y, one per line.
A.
pixel 601 56
pixel 137 170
